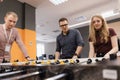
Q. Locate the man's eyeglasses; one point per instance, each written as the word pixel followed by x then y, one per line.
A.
pixel 63 25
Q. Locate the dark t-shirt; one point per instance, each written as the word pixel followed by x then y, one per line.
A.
pixel 67 44
pixel 102 48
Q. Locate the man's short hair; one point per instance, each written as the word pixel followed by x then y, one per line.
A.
pixel 11 13
pixel 63 19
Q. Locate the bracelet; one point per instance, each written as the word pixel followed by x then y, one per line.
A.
pixel 27 57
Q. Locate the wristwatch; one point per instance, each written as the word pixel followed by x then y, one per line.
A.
pixel 76 54
pixel 27 57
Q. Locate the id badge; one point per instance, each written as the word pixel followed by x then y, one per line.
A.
pixel 7 48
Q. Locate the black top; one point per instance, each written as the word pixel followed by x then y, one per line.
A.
pixel 67 44
pixel 102 48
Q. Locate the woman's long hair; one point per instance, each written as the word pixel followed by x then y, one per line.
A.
pixel 104 33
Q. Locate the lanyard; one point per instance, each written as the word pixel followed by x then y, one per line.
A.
pixel 7 38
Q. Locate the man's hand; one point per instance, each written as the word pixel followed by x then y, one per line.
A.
pixel 1 0
pixel 29 59
pixel 74 57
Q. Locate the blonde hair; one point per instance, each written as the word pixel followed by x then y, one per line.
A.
pixel 104 33
pixel 11 13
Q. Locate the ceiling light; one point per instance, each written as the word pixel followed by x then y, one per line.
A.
pixel 109 14
pixel 78 24
pixel 80 18
pixel 57 2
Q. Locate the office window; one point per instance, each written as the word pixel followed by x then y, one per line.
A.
pixel 40 49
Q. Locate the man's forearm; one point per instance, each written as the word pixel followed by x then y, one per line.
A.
pixel 57 55
pixel 78 50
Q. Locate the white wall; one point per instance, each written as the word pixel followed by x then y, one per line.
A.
pixel 50 48
pixel 40 49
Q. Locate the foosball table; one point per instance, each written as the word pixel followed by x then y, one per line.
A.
pixel 62 69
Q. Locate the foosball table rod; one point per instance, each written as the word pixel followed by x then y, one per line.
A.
pixel 10 73
pixel 22 76
pixel 57 77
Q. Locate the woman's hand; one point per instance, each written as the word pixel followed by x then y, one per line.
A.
pixel 107 56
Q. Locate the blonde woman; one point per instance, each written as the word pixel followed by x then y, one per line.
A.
pixel 102 40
